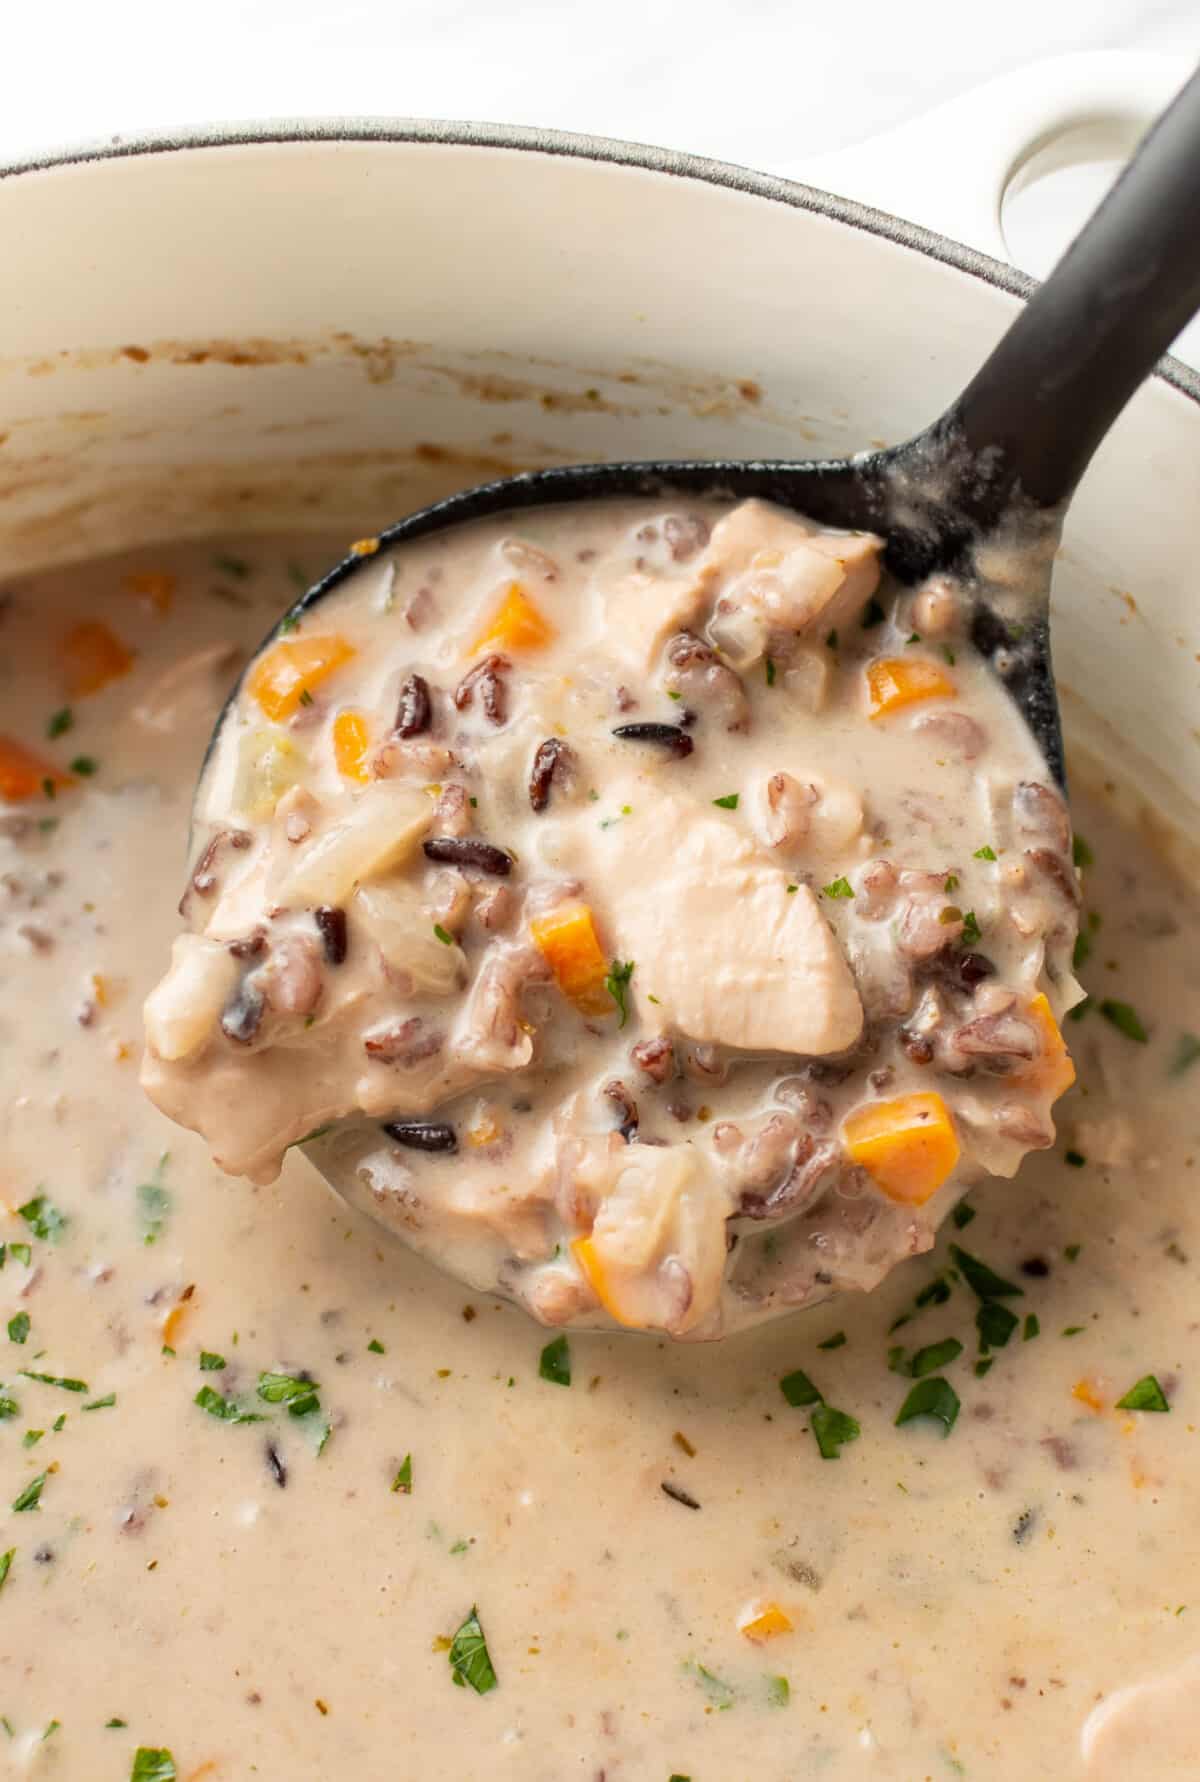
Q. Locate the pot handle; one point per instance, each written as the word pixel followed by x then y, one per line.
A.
pixel 949 170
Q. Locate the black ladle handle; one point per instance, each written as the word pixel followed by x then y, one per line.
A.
pixel 1090 335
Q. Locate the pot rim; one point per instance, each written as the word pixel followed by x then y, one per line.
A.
pixel 524 138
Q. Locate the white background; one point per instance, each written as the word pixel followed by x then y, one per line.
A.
pixel 766 82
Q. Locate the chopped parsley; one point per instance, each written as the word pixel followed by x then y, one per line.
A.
pixel 934 1398
pixel 770 671
pixel 32 1437
pixel 151 1763
pixel 1081 950
pixel 1125 1019
pixel 1187 1051
pixel 971 931
pixel 85 766
pixel 728 803
pixel 153 1205
pixel 934 1356
pixel 115 1721
pixel 835 1341
pixel 1072 1252
pixel 59 722
pixel 984 853
pixel 983 1281
pixel 18 1327
pixel 1074 1330
pixel 403 1482
pixel 30 1498
pixel 1032 1328
pixel 1076 1159
pixel 840 887
pixel 297 1393
pixel 995 1324
pixel 799 1390
pixel 951 882
pixel 226 1409
pixel 721 1694
pixel 1147 1395
pixel 447 940
pixel 102 1404
pixel 375 1347
pixel 912 638
pixel 1081 854
pixel 43 1218
pixel 65 1384
pixel 554 1363
pixel 6 1560
pixel 833 1429
pixel 470 1660
pixel 616 983
pixel 306 697
pixel 20 1253
pixel 58 1422
pixel 948 653
pixel 779 1692
pixel 211 1363
pixel 963 1214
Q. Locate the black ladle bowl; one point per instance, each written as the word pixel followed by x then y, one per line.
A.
pixel 1005 458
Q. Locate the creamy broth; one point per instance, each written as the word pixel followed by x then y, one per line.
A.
pixel 1016 1599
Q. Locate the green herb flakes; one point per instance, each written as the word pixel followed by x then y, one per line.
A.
pixel 470 1661
pixel 1081 854
pixel 985 1366
pixel 984 853
pixel 59 722
pixel 153 1205
pixel 769 668
pixel 102 1404
pixel 1125 1019
pixel 375 1347
pixel 211 1363
pixel 1147 1395
pixel 1074 1330
pixel 779 1692
pixel 836 1341
pixel 226 1409
pixel 718 1692
pixel 59 1421
pixel 447 940
pixel 64 1383
pixel 286 1389
pixel 963 1214
pixel 403 1482
pixel 833 1429
pixel 554 1363
pixel 995 1324
pixel 840 887
pixel 21 1253
pixel 971 931
pixel 1071 1252
pixel 18 1327
pixel 114 1722
pixel 983 1281
pixel 934 1356
pixel 43 1218
pixel 935 1398
pixel 30 1498
pixel 6 1560
pixel 799 1390
pixel 152 1763
pixel 85 766
pixel 728 803
pixel 616 983
pixel 32 1437
pixel 1081 951
pixel 1187 1051
pixel 1032 1328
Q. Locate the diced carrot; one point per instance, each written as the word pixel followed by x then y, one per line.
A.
pixel 93 656
pixel 154 585
pixel 567 939
pixel 907 1146
pixel 516 624
pixel 292 668
pixel 364 547
pixel 764 1621
pixel 350 743
pixel 584 1251
pixel 173 1322
pixel 1053 1071
pixel 23 773
pixel 896 681
pixel 1088 1393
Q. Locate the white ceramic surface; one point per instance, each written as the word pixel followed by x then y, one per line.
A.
pixel 326 330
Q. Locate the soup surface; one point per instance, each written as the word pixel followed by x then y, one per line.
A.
pixel 682 914
pixel 260 1463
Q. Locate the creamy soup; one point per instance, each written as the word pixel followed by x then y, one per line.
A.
pixel 261 1463
pixel 683 913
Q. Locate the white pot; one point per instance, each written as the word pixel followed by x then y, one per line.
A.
pixel 325 326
